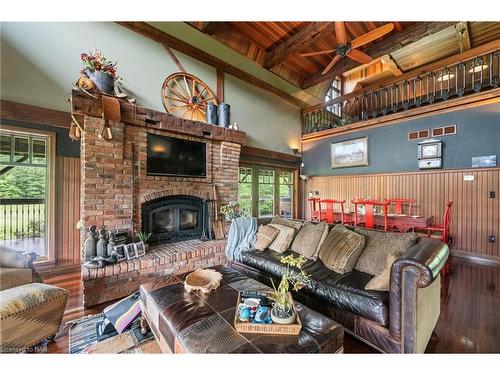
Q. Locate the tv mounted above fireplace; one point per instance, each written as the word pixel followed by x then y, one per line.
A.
pixel 169 156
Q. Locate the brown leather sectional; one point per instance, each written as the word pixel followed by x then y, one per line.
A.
pixel 398 321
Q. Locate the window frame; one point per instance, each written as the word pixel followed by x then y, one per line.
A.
pixel 50 166
pixel 255 188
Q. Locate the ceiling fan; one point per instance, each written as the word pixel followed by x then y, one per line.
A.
pixel 349 49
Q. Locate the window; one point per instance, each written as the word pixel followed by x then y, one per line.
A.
pixel 25 219
pixel 266 191
pixel 334 92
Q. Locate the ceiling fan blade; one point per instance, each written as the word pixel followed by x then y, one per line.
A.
pixel 340 33
pixel 332 63
pixel 359 56
pixel 372 35
pixel 307 54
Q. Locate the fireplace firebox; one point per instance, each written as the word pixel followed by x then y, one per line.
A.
pixel 175 218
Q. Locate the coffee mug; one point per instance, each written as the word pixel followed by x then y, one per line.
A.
pixel 249 304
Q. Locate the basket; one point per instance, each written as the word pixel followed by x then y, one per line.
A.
pixel 204 280
pixel 270 329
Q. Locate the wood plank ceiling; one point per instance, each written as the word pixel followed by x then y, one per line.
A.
pixel 276 45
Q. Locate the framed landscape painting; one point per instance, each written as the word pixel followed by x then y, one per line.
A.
pixel 351 153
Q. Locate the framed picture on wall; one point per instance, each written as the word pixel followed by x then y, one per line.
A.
pixel 351 153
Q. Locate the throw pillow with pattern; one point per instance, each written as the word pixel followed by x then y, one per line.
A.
pixel 341 249
pixel 295 224
pixel 265 237
pixel 309 239
pixel 284 238
pixel 379 245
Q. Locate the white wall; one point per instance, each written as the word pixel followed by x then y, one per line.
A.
pixel 40 61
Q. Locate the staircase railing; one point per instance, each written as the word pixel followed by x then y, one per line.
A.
pixel 461 75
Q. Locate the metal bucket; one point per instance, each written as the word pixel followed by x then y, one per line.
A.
pixel 104 82
pixel 224 114
pixel 211 114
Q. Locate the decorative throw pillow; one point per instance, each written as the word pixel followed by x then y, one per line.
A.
pixel 287 222
pixel 284 238
pixel 381 281
pixel 309 239
pixel 341 249
pixel 122 313
pixel 379 245
pixel 265 237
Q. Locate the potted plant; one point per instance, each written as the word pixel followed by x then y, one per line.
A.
pixel 144 237
pixel 100 70
pixel 283 311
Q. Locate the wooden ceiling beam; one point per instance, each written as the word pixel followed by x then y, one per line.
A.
pixel 463 37
pixel 33 114
pixel 164 38
pixel 297 42
pixel 387 45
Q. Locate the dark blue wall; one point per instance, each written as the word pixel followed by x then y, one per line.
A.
pixel 64 145
pixel 478 133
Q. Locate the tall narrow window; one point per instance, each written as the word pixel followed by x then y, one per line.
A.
pixel 266 192
pixel 286 194
pixel 24 192
pixel 245 189
pixel 334 91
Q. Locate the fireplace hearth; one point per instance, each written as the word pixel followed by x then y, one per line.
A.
pixel 175 218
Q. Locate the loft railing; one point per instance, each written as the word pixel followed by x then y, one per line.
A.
pixel 22 218
pixel 427 86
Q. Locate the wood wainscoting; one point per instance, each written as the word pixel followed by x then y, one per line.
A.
pixel 67 237
pixel 475 216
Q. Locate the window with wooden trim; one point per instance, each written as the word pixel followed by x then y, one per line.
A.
pixel 266 191
pixel 418 134
pixel 334 91
pixel 26 204
pixel 444 130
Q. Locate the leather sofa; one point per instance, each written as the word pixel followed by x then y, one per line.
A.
pixel 400 320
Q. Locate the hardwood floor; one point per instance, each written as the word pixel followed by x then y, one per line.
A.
pixel 469 321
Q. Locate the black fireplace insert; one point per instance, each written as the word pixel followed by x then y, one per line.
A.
pixel 175 218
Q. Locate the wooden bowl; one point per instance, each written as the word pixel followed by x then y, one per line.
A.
pixel 204 280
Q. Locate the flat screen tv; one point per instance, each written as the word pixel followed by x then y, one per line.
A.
pixel 176 157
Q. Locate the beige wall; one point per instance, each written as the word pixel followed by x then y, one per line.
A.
pixel 40 61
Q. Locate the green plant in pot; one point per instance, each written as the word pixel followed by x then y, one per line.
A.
pixel 283 311
pixel 144 237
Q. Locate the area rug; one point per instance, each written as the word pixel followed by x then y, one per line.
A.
pixel 83 339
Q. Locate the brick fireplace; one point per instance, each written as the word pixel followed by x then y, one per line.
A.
pixel 117 193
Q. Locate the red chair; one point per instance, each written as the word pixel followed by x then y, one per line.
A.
pixel 330 215
pixel 442 230
pixel 369 213
pixel 399 204
pixel 314 209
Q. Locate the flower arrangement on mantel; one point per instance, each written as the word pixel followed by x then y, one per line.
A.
pixel 232 211
pixel 96 61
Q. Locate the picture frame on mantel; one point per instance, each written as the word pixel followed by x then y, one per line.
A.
pixel 350 153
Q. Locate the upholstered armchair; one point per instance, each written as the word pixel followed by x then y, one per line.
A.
pixel 29 310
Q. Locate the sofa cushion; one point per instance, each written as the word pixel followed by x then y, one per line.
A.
pixel 309 239
pixel 295 224
pixel 382 280
pixel 265 237
pixel 378 247
pixel 341 249
pixel 284 238
pixel 347 292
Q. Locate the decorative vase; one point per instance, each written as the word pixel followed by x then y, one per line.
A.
pixel 224 114
pixel 211 114
pixel 102 244
pixel 285 320
pixel 104 82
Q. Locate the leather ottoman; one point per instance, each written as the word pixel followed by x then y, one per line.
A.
pixel 185 322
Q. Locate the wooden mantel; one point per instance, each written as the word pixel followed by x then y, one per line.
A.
pixel 85 105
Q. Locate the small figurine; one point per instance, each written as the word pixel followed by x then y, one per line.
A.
pixel 245 313
pixel 263 315
pixel 90 243
pixel 102 244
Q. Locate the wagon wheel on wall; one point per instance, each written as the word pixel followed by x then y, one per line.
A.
pixel 184 95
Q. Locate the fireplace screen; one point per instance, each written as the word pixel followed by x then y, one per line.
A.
pixel 175 218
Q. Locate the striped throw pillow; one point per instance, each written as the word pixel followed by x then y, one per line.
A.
pixel 265 237
pixel 284 239
pixel 341 249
